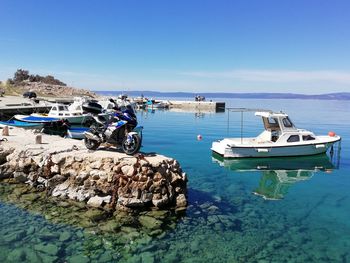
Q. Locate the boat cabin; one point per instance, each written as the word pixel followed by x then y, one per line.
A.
pixel 279 127
pixel 60 110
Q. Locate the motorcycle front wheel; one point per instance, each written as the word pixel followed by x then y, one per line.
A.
pixel 132 145
pixel 91 144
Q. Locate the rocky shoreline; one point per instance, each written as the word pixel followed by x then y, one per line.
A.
pixel 104 179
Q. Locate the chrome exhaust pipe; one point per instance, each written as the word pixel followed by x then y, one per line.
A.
pixel 91 136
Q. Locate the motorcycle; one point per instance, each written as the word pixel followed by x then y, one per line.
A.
pixel 120 130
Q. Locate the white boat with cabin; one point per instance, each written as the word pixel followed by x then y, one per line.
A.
pixel 61 111
pixel 280 138
pixel 153 104
pixel 122 102
pixel 77 105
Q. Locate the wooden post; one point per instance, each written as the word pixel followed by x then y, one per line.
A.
pixel 5 131
pixel 38 139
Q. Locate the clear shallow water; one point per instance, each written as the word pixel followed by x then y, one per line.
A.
pixel 225 220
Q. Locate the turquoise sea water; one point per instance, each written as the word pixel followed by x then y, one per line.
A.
pixel 288 210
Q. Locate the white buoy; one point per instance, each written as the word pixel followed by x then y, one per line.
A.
pixel 199 137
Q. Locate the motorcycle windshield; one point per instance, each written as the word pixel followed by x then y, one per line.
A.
pixel 120 123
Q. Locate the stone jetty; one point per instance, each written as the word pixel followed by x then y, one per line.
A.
pixel 104 178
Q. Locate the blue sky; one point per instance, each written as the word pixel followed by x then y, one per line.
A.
pixel 183 45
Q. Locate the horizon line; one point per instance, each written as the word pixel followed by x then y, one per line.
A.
pixel 222 92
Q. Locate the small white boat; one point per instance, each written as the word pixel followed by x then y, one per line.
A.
pixel 153 104
pixel 74 113
pixel 61 111
pixel 77 105
pixel 107 105
pixel 122 102
pixel 80 104
pixel 280 138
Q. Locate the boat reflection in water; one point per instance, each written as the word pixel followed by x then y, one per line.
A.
pixel 279 174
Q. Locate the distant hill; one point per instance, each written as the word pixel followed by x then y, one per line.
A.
pixel 155 94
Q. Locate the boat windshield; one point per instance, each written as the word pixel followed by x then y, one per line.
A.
pixel 62 108
pixel 287 122
pixel 271 124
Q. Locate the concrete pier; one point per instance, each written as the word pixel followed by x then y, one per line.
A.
pixel 12 105
pixel 198 105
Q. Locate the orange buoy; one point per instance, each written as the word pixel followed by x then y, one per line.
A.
pixel 199 137
pixel 331 134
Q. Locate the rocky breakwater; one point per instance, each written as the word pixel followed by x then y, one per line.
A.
pixel 103 179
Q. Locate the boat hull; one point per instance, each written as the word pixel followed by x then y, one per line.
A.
pixel 246 151
pixel 72 119
pixel 35 119
pixel 21 124
pixel 76 119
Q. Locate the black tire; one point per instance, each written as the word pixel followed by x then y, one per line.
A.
pixel 91 144
pixel 132 147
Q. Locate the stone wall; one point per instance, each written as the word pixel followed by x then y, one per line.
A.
pixel 104 178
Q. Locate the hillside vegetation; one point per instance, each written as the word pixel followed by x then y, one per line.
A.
pixel 22 81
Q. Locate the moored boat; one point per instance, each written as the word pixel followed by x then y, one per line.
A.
pixel 280 138
pixel 153 104
pixel 35 119
pixel 61 112
pixel 21 124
